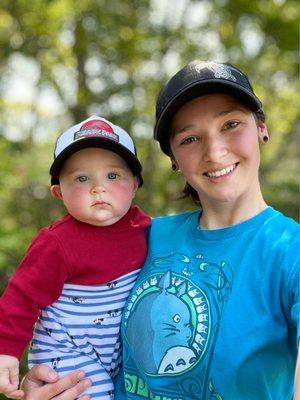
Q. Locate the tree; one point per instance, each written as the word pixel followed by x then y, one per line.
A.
pixel 62 61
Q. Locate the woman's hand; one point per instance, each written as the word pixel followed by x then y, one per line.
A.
pixel 42 382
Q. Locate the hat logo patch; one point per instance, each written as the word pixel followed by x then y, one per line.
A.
pixel 96 128
pixel 95 133
pixel 219 71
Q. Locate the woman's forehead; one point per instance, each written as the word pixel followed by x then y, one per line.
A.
pixel 213 105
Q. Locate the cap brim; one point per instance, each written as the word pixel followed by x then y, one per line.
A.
pixel 198 89
pixel 103 143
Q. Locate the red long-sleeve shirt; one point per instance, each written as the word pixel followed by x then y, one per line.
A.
pixel 67 251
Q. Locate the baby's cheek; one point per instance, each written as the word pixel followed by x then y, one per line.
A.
pixel 123 192
pixel 76 198
pixel 79 192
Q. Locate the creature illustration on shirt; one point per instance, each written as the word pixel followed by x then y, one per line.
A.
pixel 177 318
pixel 171 336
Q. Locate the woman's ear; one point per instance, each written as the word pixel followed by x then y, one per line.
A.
pixel 56 192
pixel 174 164
pixel 263 135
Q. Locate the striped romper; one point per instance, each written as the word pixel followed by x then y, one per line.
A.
pixel 81 330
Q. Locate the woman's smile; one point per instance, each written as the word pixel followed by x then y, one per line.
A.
pixel 221 172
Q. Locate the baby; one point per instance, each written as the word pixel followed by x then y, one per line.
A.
pixel 77 273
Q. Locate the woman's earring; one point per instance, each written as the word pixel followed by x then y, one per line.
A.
pixel 174 166
pixel 265 139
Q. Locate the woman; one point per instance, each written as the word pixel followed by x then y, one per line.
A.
pixel 215 310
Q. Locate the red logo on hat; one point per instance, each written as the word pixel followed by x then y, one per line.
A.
pixel 97 124
pixel 96 128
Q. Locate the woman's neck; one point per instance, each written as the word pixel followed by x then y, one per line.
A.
pixel 223 214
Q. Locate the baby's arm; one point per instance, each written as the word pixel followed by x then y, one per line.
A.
pixel 9 376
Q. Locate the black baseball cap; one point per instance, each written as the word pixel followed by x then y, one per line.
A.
pixel 196 79
pixel 95 132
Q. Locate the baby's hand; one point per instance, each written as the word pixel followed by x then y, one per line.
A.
pixel 9 374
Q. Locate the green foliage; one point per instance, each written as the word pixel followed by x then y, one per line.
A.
pixel 111 58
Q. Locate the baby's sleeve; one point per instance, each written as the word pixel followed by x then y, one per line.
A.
pixel 38 282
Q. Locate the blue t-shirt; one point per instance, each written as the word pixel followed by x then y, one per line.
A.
pixel 214 314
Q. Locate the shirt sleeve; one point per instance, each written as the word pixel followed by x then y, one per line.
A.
pixel 295 292
pixel 293 262
pixel 37 283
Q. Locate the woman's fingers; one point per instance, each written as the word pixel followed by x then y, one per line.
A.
pixel 37 376
pixel 75 391
pixel 16 394
pixel 67 388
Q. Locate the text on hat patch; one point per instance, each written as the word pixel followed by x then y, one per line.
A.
pixel 96 128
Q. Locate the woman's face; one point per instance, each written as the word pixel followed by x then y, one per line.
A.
pixel 215 144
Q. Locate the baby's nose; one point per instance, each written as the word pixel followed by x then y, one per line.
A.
pixel 98 188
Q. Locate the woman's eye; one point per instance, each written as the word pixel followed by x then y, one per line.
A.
pixel 231 124
pixel 189 140
pixel 112 175
pixel 82 178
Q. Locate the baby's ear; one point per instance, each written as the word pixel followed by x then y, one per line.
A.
pixel 56 192
pixel 136 184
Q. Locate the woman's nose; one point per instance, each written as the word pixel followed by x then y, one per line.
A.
pixel 214 148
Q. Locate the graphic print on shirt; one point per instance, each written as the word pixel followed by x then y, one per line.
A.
pixel 175 311
pixel 171 338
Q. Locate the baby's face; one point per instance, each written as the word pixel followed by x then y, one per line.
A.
pixel 96 186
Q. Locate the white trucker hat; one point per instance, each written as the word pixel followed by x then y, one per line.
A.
pixel 95 132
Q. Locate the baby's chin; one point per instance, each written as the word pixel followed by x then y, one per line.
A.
pixel 101 222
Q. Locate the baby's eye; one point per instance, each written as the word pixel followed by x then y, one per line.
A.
pixel 176 318
pixel 82 178
pixel 231 125
pixel 112 175
pixel 189 139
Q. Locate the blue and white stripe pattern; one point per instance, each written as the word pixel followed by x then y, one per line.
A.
pixel 81 330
